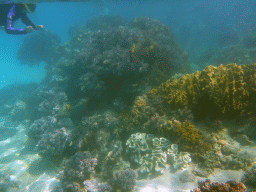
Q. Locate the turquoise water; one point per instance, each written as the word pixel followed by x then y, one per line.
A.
pixel 198 20
pixel 89 96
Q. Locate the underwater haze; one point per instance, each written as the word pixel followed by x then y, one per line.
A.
pixel 128 96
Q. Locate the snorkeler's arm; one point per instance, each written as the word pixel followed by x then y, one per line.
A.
pixel 26 21
pixel 9 24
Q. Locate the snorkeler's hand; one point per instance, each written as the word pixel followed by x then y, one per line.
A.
pixel 39 27
pixel 29 29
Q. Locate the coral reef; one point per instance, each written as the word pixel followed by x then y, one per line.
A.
pixel 215 90
pixel 92 185
pixel 94 131
pixel 147 110
pixel 111 63
pixel 52 144
pixel 45 101
pixel 225 153
pixel 124 180
pixel 18 111
pixel 96 122
pixel 250 112
pixel 229 186
pixel 50 102
pixel 37 47
pixel 115 62
pixel 184 134
pixel 110 160
pixel 150 26
pixel 41 126
pixel 183 115
pixel 102 114
pixel 77 169
pixel 50 138
pixel 152 154
pixel 100 134
pixel 72 30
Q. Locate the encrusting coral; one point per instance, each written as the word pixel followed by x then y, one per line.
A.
pixel 224 89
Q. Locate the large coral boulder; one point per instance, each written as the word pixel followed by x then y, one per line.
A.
pixel 215 90
pixel 117 60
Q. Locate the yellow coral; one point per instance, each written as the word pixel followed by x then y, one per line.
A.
pixel 179 92
pixel 140 102
pixel 186 133
pixel 145 50
pixel 139 108
pixel 66 109
pixel 227 86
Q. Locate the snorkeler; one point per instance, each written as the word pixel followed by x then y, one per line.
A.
pixel 11 12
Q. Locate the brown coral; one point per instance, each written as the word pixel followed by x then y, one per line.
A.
pixel 186 135
pixel 225 86
pixel 179 92
pixel 145 108
pixel 230 186
pixel 223 89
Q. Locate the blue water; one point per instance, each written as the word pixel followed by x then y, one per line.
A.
pixel 196 25
pixel 189 20
pixel 56 17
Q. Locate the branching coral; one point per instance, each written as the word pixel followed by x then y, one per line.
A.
pixel 45 102
pixel 41 126
pixel 77 169
pixel 52 144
